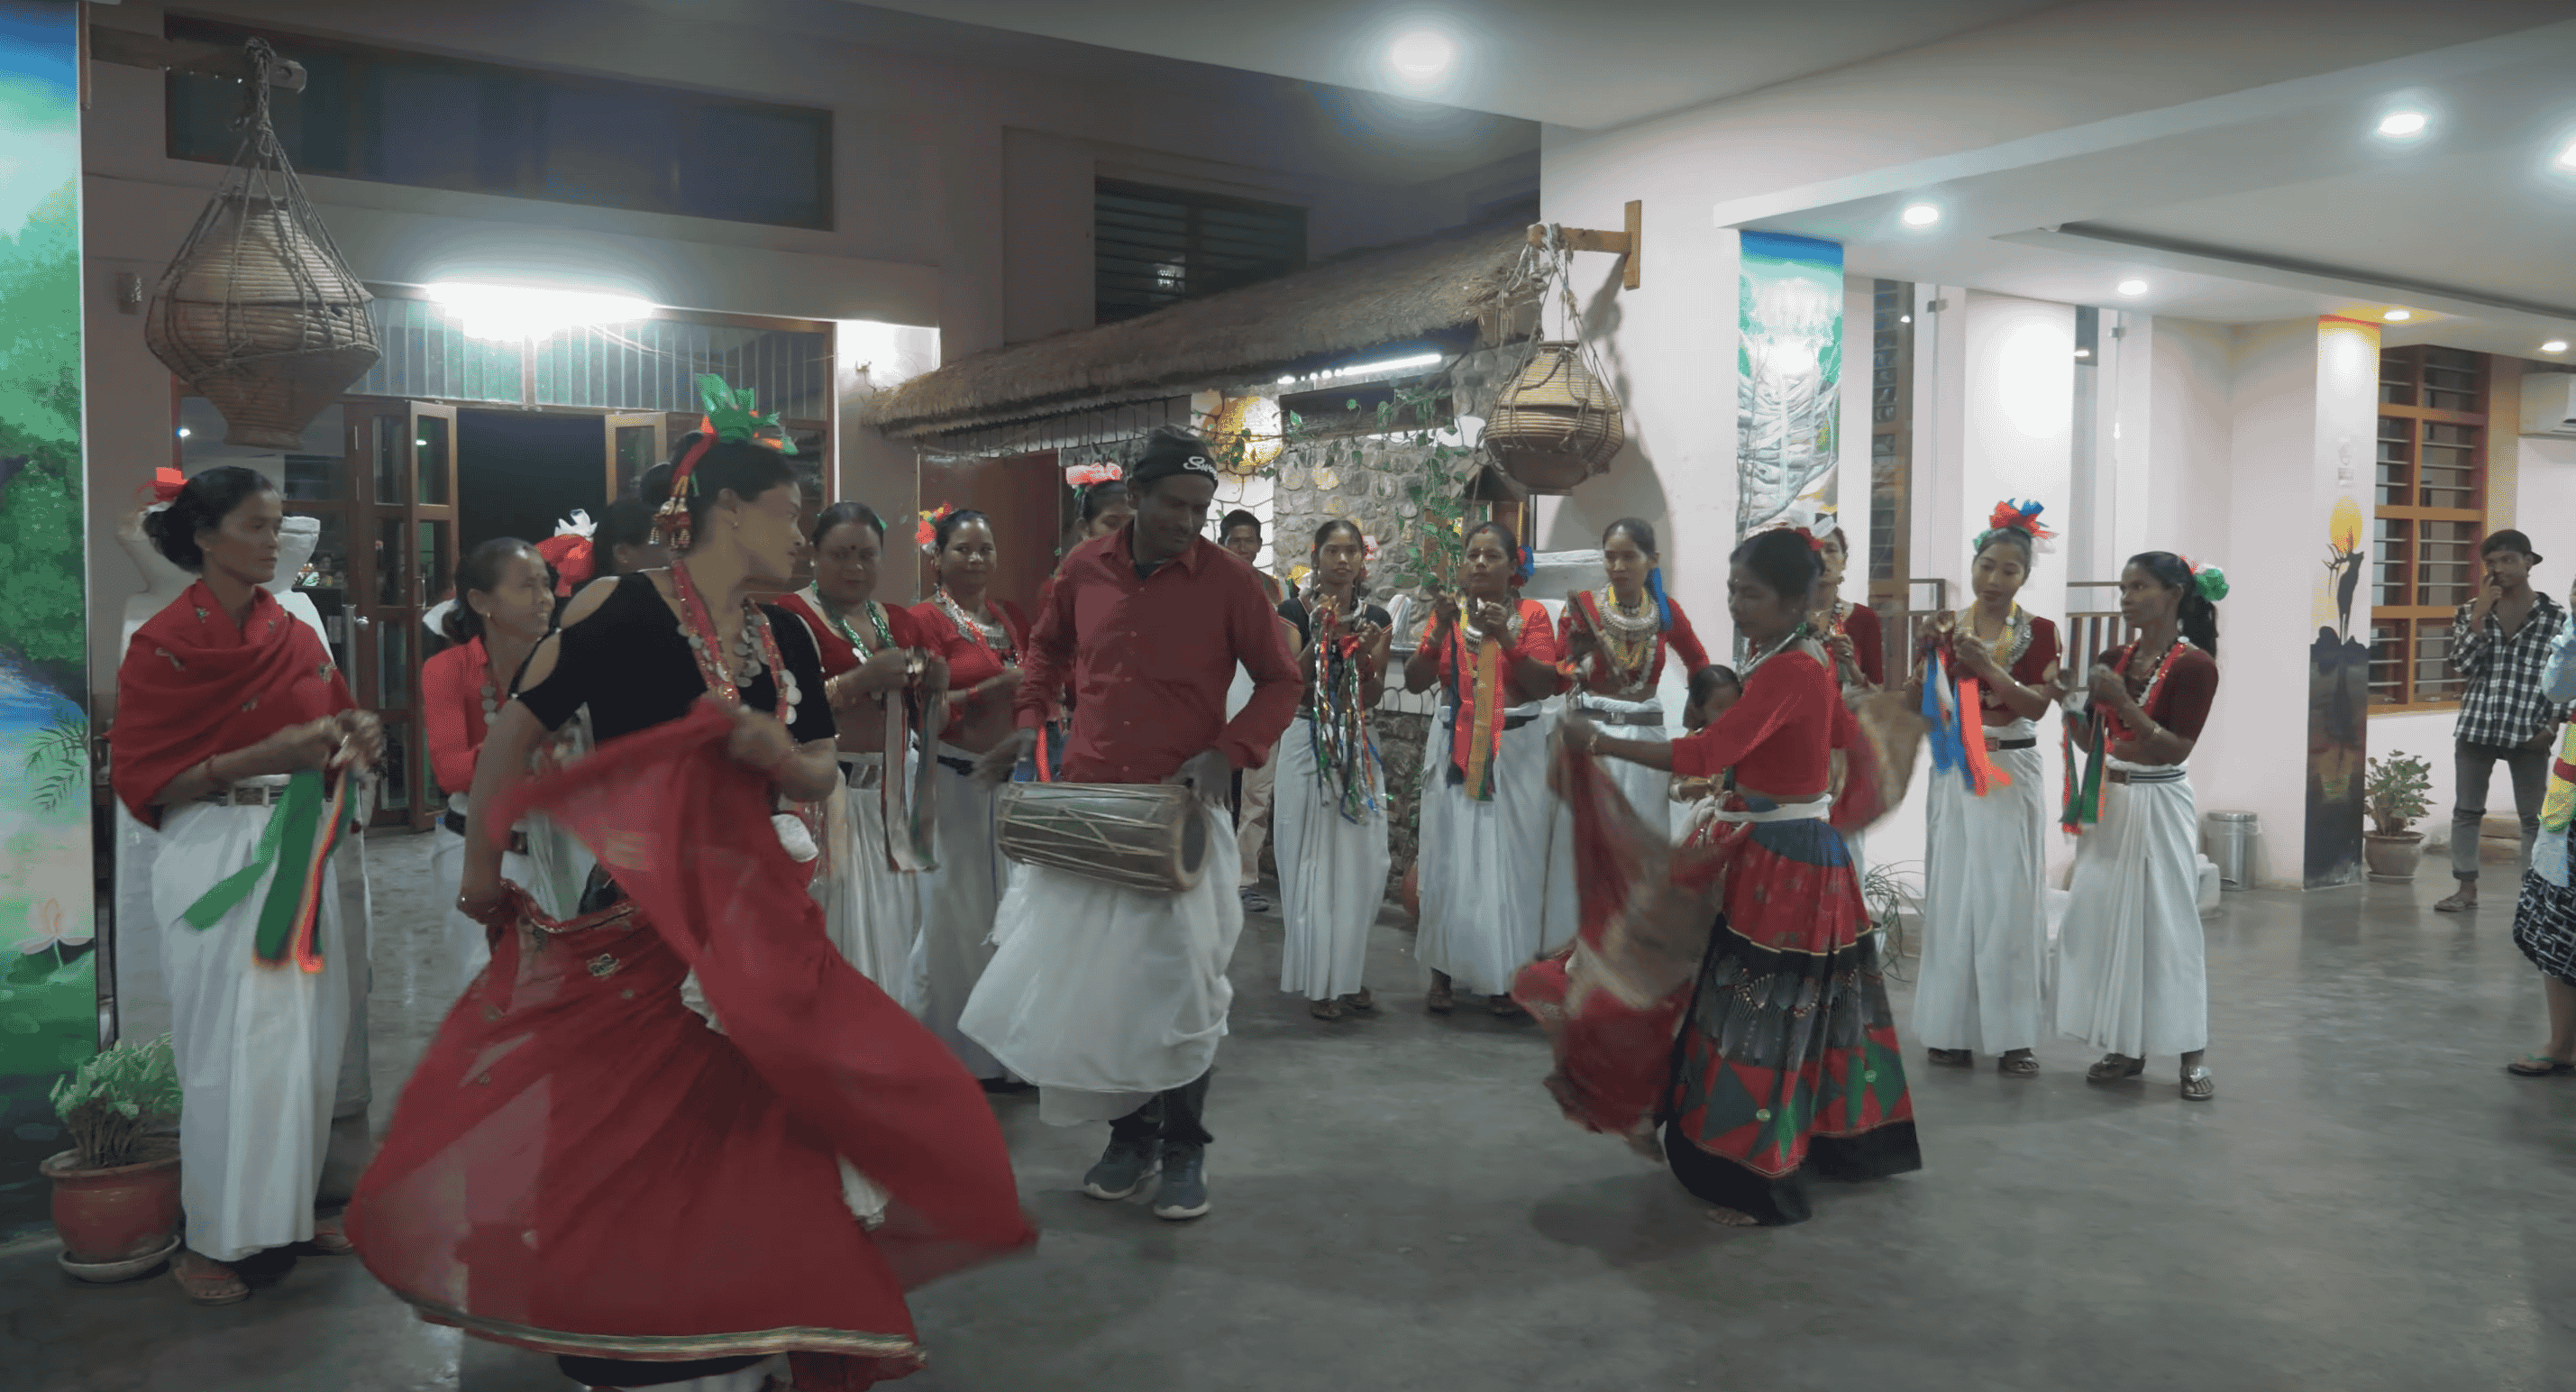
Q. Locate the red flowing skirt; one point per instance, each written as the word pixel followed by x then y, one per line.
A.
pixel 579 1165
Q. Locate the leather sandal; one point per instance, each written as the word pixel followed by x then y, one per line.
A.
pixel 2457 903
pixel 208 1281
pixel 1439 1000
pixel 2115 1068
pixel 330 1238
pixel 2197 1084
pixel 2539 1066
pixel 1360 999
pixel 1951 1058
pixel 2018 1063
pixel 1325 1010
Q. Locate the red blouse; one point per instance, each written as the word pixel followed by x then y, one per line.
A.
pixel 2182 697
pixel 970 662
pixel 1597 673
pixel 1860 624
pixel 1780 736
pixel 2034 664
pixel 1537 641
pixel 838 654
pixel 451 695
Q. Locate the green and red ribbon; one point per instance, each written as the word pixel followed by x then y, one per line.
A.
pixel 303 829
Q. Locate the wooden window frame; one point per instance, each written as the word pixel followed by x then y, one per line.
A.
pixel 2411 618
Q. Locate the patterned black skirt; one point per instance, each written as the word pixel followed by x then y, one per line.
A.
pixel 2544 926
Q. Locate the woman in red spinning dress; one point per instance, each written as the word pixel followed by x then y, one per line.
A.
pixel 579 1165
pixel 1787 1055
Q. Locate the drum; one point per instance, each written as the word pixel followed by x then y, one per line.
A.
pixel 1147 836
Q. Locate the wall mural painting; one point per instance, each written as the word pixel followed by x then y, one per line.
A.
pixel 48 982
pixel 2338 709
pixel 1789 363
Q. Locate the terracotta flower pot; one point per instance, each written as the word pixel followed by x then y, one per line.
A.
pixel 2392 859
pixel 115 1214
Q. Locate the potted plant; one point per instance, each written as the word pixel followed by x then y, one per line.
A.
pixel 2394 794
pixel 116 1191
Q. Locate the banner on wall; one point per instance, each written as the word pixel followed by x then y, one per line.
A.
pixel 48 978
pixel 1788 364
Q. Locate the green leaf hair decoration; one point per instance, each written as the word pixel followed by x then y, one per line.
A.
pixel 2211 582
pixel 730 414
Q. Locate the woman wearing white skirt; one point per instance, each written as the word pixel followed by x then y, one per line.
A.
pixel 2131 974
pixel 981 640
pixel 501 612
pixel 1985 923
pixel 870 887
pixel 1331 787
pixel 1483 852
pixel 1617 639
pixel 230 715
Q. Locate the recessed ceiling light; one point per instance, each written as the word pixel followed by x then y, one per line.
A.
pixel 2567 157
pixel 2133 287
pixel 1920 215
pixel 2555 345
pixel 2400 124
pixel 2398 316
pixel 1421 55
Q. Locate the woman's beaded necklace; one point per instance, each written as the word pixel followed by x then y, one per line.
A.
pixel 1628 637
pixel 2155 678
pixel 994 636
pixel 839 619
pixel 755 646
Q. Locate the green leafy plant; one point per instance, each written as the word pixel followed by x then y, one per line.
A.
pixel 2394 792
pixel 58 761
pixel 115 1103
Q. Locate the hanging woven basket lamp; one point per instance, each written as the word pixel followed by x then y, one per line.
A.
pixel 1557 423
pixel 258 313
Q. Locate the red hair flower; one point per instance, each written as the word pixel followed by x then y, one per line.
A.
pixel 166 484
pixel 927 533
pixel 1098 472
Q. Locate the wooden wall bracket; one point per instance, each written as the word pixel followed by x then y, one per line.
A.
pixel 1628 246
pixel 133 49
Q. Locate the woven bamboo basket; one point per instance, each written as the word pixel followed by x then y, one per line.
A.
pixel 1557 424
pixel 260 317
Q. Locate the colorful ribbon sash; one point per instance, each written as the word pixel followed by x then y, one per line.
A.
pixel 302 829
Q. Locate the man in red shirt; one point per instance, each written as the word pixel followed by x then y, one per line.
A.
pixel 1112 999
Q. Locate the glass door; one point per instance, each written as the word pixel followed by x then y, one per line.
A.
pixel 405 562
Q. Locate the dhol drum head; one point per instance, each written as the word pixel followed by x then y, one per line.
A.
pixel 1143 836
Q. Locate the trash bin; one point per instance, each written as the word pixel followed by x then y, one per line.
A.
pixel 2230 836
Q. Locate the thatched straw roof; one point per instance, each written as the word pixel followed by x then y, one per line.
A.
pixel 1455 286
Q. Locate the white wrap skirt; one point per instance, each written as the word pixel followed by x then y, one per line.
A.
pixel 1104 995
pixel 1332 874
pixel 2131 974
pixel 1985 921
pixel 958 901
pixel 871 911
pixel 259 1046
pixel 1484 874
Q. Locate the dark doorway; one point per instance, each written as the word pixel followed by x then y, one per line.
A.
pixel 518 473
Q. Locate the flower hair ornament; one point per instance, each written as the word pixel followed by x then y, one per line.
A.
pixel 2209 582
pixel 729 419
pixel 164 488
pixel 1524 566
pixel 2018 517
pixel 926 532
pixel 1094 474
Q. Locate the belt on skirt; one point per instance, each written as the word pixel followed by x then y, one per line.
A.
pixel 455 822
pixel 2030 742
pixel 1449 720
pixel 862 771
pixel 2118 775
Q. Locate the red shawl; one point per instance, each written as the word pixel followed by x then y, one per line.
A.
pixel 192 687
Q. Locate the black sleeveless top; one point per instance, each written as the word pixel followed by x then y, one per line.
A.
pixel 629 664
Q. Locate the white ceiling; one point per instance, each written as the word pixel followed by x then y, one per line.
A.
pixel 1588 65
pixel 2292 210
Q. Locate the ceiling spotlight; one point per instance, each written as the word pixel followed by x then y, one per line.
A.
pixel 2133 287
pixel 2398 316
pixel 1422 55
pixel 2567 157
pixel 1920 215
pixel 2555 345
pixel 2397 125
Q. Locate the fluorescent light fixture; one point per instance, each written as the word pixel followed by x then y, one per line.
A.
pixel 2083 352
pixel 2398 316
pixel 1919 215
pixel 1384 367
pixel 2133 287
pixel 1421 56
pixel 518 312
pixel 2555 345
pixel 2397 125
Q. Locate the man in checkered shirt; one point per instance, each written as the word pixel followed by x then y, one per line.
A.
pixel 2500 641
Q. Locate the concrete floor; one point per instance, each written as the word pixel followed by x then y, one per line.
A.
pixel 2370 1203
